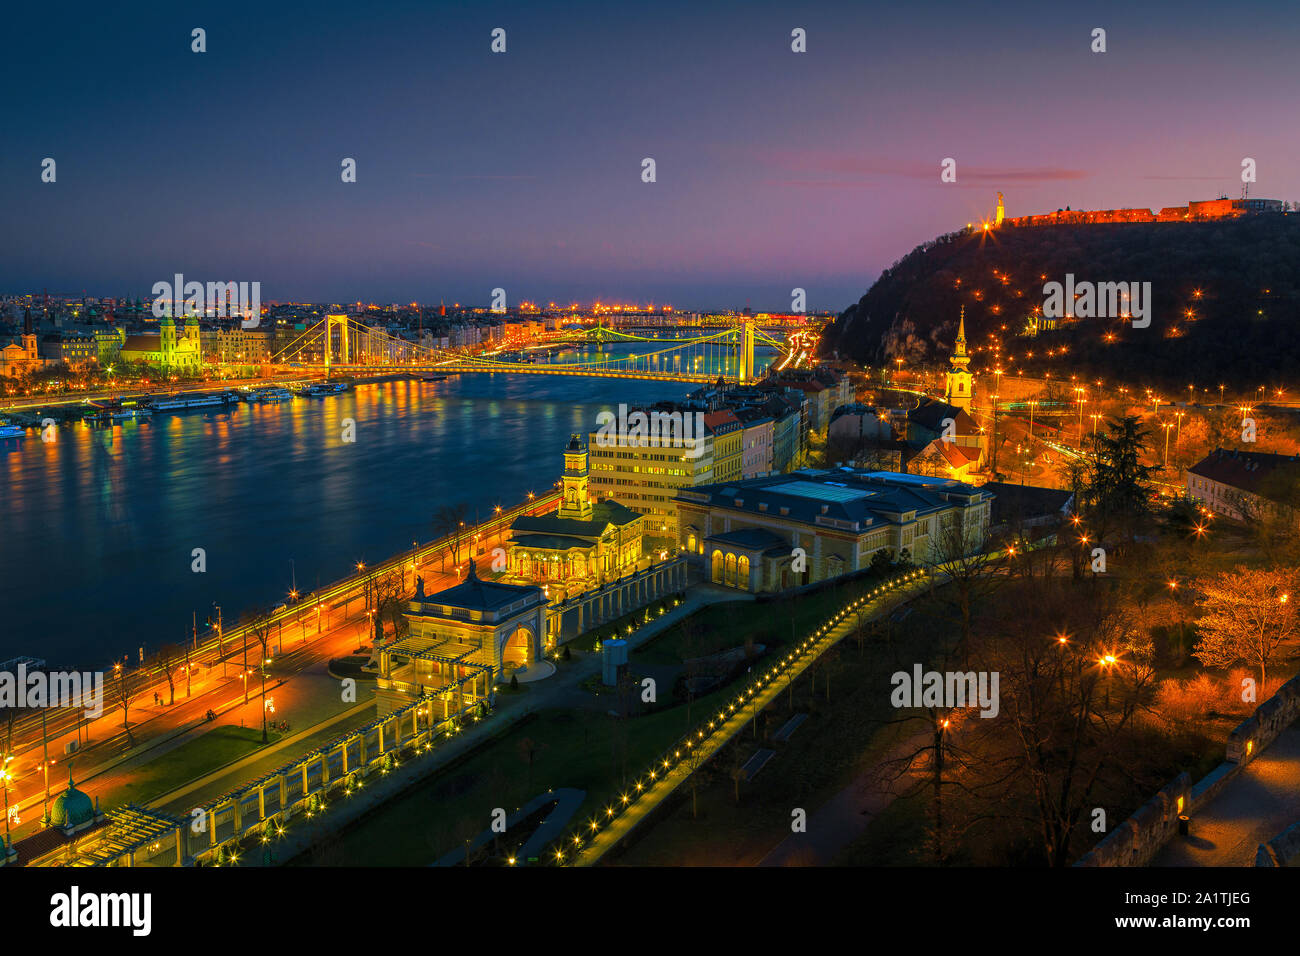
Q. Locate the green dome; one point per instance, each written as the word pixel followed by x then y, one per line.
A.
pixel 71 808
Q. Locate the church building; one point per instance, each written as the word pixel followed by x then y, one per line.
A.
pixel 19 357
pixel 165 350
pixel 958 390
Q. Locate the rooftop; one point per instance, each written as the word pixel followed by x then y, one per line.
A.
pixel 844 498
pixel 476 594
pixel 1257 472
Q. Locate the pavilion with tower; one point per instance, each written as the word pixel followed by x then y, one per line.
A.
pixel 583 543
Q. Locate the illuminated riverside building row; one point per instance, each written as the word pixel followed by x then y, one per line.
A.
pixel 748 431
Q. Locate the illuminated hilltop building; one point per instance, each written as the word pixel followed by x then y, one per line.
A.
pixel 1206 210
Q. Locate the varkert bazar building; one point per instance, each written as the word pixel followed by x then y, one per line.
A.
pixel 744 534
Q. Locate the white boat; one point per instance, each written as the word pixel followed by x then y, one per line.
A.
pixel 180 403
pixel 271 395
pixel 325 388
pixel 129 414
pixel 12 431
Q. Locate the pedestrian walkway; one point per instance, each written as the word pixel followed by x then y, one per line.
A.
pixel 749 704
pixel 1258 804
pixel 566 800
pixel 846 816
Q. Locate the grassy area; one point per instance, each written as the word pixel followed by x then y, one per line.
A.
pixel 582 749
pixel 896 837
pixel 842 738
pixel 187 762
pixel 719 627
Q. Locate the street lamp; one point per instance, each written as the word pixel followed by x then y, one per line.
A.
pixel 5 777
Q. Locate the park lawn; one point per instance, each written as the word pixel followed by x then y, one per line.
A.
pixel 577 748
pixel 839 741
pixel 898 836
pixel 186 763
pixel 720 627
pixel 581 749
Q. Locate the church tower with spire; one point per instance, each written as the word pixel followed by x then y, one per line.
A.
pixel 958 391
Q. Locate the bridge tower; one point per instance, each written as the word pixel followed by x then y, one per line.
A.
pixel 745 357
pixel 342 322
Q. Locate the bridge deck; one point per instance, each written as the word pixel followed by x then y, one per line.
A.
pixel 508 369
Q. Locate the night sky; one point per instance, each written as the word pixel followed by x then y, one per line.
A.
pixel 523 170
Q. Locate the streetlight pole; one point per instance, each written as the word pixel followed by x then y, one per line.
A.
pixel 45 762
pixel 221 647
pixel 4 783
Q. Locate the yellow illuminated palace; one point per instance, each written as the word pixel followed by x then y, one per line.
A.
pixel 582 544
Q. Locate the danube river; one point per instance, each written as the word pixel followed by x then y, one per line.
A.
pixel 100 526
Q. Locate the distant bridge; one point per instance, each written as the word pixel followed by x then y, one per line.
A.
pixel 340 343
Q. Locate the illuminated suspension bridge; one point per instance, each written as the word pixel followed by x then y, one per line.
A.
pixel 341 344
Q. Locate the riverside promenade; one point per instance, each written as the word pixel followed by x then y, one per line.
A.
pixel 331 621
pixel 301 834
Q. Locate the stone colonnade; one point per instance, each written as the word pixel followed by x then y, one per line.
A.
pixel 592 608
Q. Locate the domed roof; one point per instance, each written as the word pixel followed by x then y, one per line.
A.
pixel 71 808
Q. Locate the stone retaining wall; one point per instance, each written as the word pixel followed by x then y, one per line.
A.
pixel 1282 850
pixel 1139 838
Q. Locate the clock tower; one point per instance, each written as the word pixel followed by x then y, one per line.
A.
pixel 576 504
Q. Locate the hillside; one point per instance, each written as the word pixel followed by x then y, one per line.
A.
pixel 1238 279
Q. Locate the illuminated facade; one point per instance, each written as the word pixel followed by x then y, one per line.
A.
pixel 1195 211
pixel 582 544
pixel 22 356
pixel 165 350
pixel 958 390
pixel 783 531
pixel 461 641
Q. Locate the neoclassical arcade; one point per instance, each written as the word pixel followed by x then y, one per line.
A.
pixel 467 637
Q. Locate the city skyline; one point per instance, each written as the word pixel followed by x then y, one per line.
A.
pixel 774 170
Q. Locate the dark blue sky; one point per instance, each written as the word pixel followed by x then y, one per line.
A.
pixel 522 170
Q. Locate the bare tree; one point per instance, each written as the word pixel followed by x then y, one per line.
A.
pixel 258 623
pixel 449 523
pixel 169 655
pixel 973 573
pixel 1247 616
pixel 123 691
pixel 390 606
pixel 1071 697
pixel 1272 515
